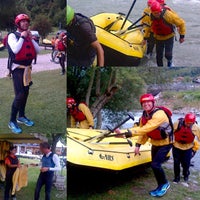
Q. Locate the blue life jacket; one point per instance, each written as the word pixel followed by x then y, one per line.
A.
pixel 48 161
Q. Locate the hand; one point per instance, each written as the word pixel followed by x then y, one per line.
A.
pixel 144 42
pixel 24 34
pixel 137 151
pixel 181 40
pixel 90 127
pixel 44 169
pixel 128 134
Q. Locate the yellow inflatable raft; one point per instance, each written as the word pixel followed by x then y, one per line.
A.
pixel 121 47
pixel 112 153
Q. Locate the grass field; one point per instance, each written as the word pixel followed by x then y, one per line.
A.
pixel 133 184
pixel 45 106
pixel 27 193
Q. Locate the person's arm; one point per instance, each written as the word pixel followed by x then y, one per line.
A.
pixel 36 46
pixel 100 53
pixel 73 122
pixel 86 111
pixel 174 19
pixel 56 161
pixel 15 44
pixel 8 163
pixel 158 118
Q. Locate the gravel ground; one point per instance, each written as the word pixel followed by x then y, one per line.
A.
pixel 43 64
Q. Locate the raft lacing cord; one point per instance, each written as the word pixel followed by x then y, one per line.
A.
pixel 131 152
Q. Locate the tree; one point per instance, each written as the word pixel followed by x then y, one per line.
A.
pixel 115 89
pixel 42 25
pixel 7 18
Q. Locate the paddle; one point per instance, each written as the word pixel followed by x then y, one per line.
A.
pixel 132 26
pixel 102 135
pixel 116 135
pixel 127 16
pixel 130 116
pixel 108 27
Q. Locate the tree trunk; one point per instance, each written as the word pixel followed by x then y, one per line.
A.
pixel 87 100
pixel 99 120
pixel 55 138
pixel 108 94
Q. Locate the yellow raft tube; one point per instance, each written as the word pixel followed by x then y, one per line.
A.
pixel 111 153
pixel 121 47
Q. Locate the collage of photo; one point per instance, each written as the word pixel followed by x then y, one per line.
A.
pixel 99 100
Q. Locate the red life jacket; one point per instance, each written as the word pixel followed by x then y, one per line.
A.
pixel 160 26
pixel 184 134
pixel 156 134
pixel 61 46
pixel 77 114
pixel 27 52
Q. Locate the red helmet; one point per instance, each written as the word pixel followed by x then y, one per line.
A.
pixel 156 7
pixel 70 100
pixel 149 2
pixel 161 1
pixel 147 97
pixel 190 118
pixel 21 17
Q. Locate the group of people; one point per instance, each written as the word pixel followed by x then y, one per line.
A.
pixel 155 124
pixel 160 26
pixel 161 23
pixel 50 163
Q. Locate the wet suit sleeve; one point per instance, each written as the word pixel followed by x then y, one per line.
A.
pixel 158 118
pixel 87 113
pixel 35 44
pixel 56 161
pixel 15 44
pixel 196 131
pixel 173 18
pixel 73 122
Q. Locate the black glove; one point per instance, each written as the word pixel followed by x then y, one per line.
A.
pixel 163 133
pixel 128 134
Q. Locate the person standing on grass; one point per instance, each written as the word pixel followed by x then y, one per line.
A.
pixel 155 124
pixel 22 50
pixel 49 164
pixel 12 163
pixel 185 131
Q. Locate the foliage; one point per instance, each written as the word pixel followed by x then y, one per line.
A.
pixel 53 10
pixel 6 18
pixel 42 25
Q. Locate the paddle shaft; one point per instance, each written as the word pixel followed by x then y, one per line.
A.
pixel 129 12
pixel 132 26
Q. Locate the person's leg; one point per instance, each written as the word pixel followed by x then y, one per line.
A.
pixel 157 161
pixel 159 52
pixel 48 185
pixel 8 186
pixel 169 51
pixel 62 62
pixel 177 161
pixel 19 93
pixel 23 102
pixel 186 163
pixel 150 44
pixel 39 184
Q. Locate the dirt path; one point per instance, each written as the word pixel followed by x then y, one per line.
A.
pixel 43 64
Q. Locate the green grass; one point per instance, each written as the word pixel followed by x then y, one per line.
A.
pixel 45 106
pixel 27 193
pixel 134 185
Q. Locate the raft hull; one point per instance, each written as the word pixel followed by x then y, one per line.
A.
pixel 109 154
pixel 119 49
